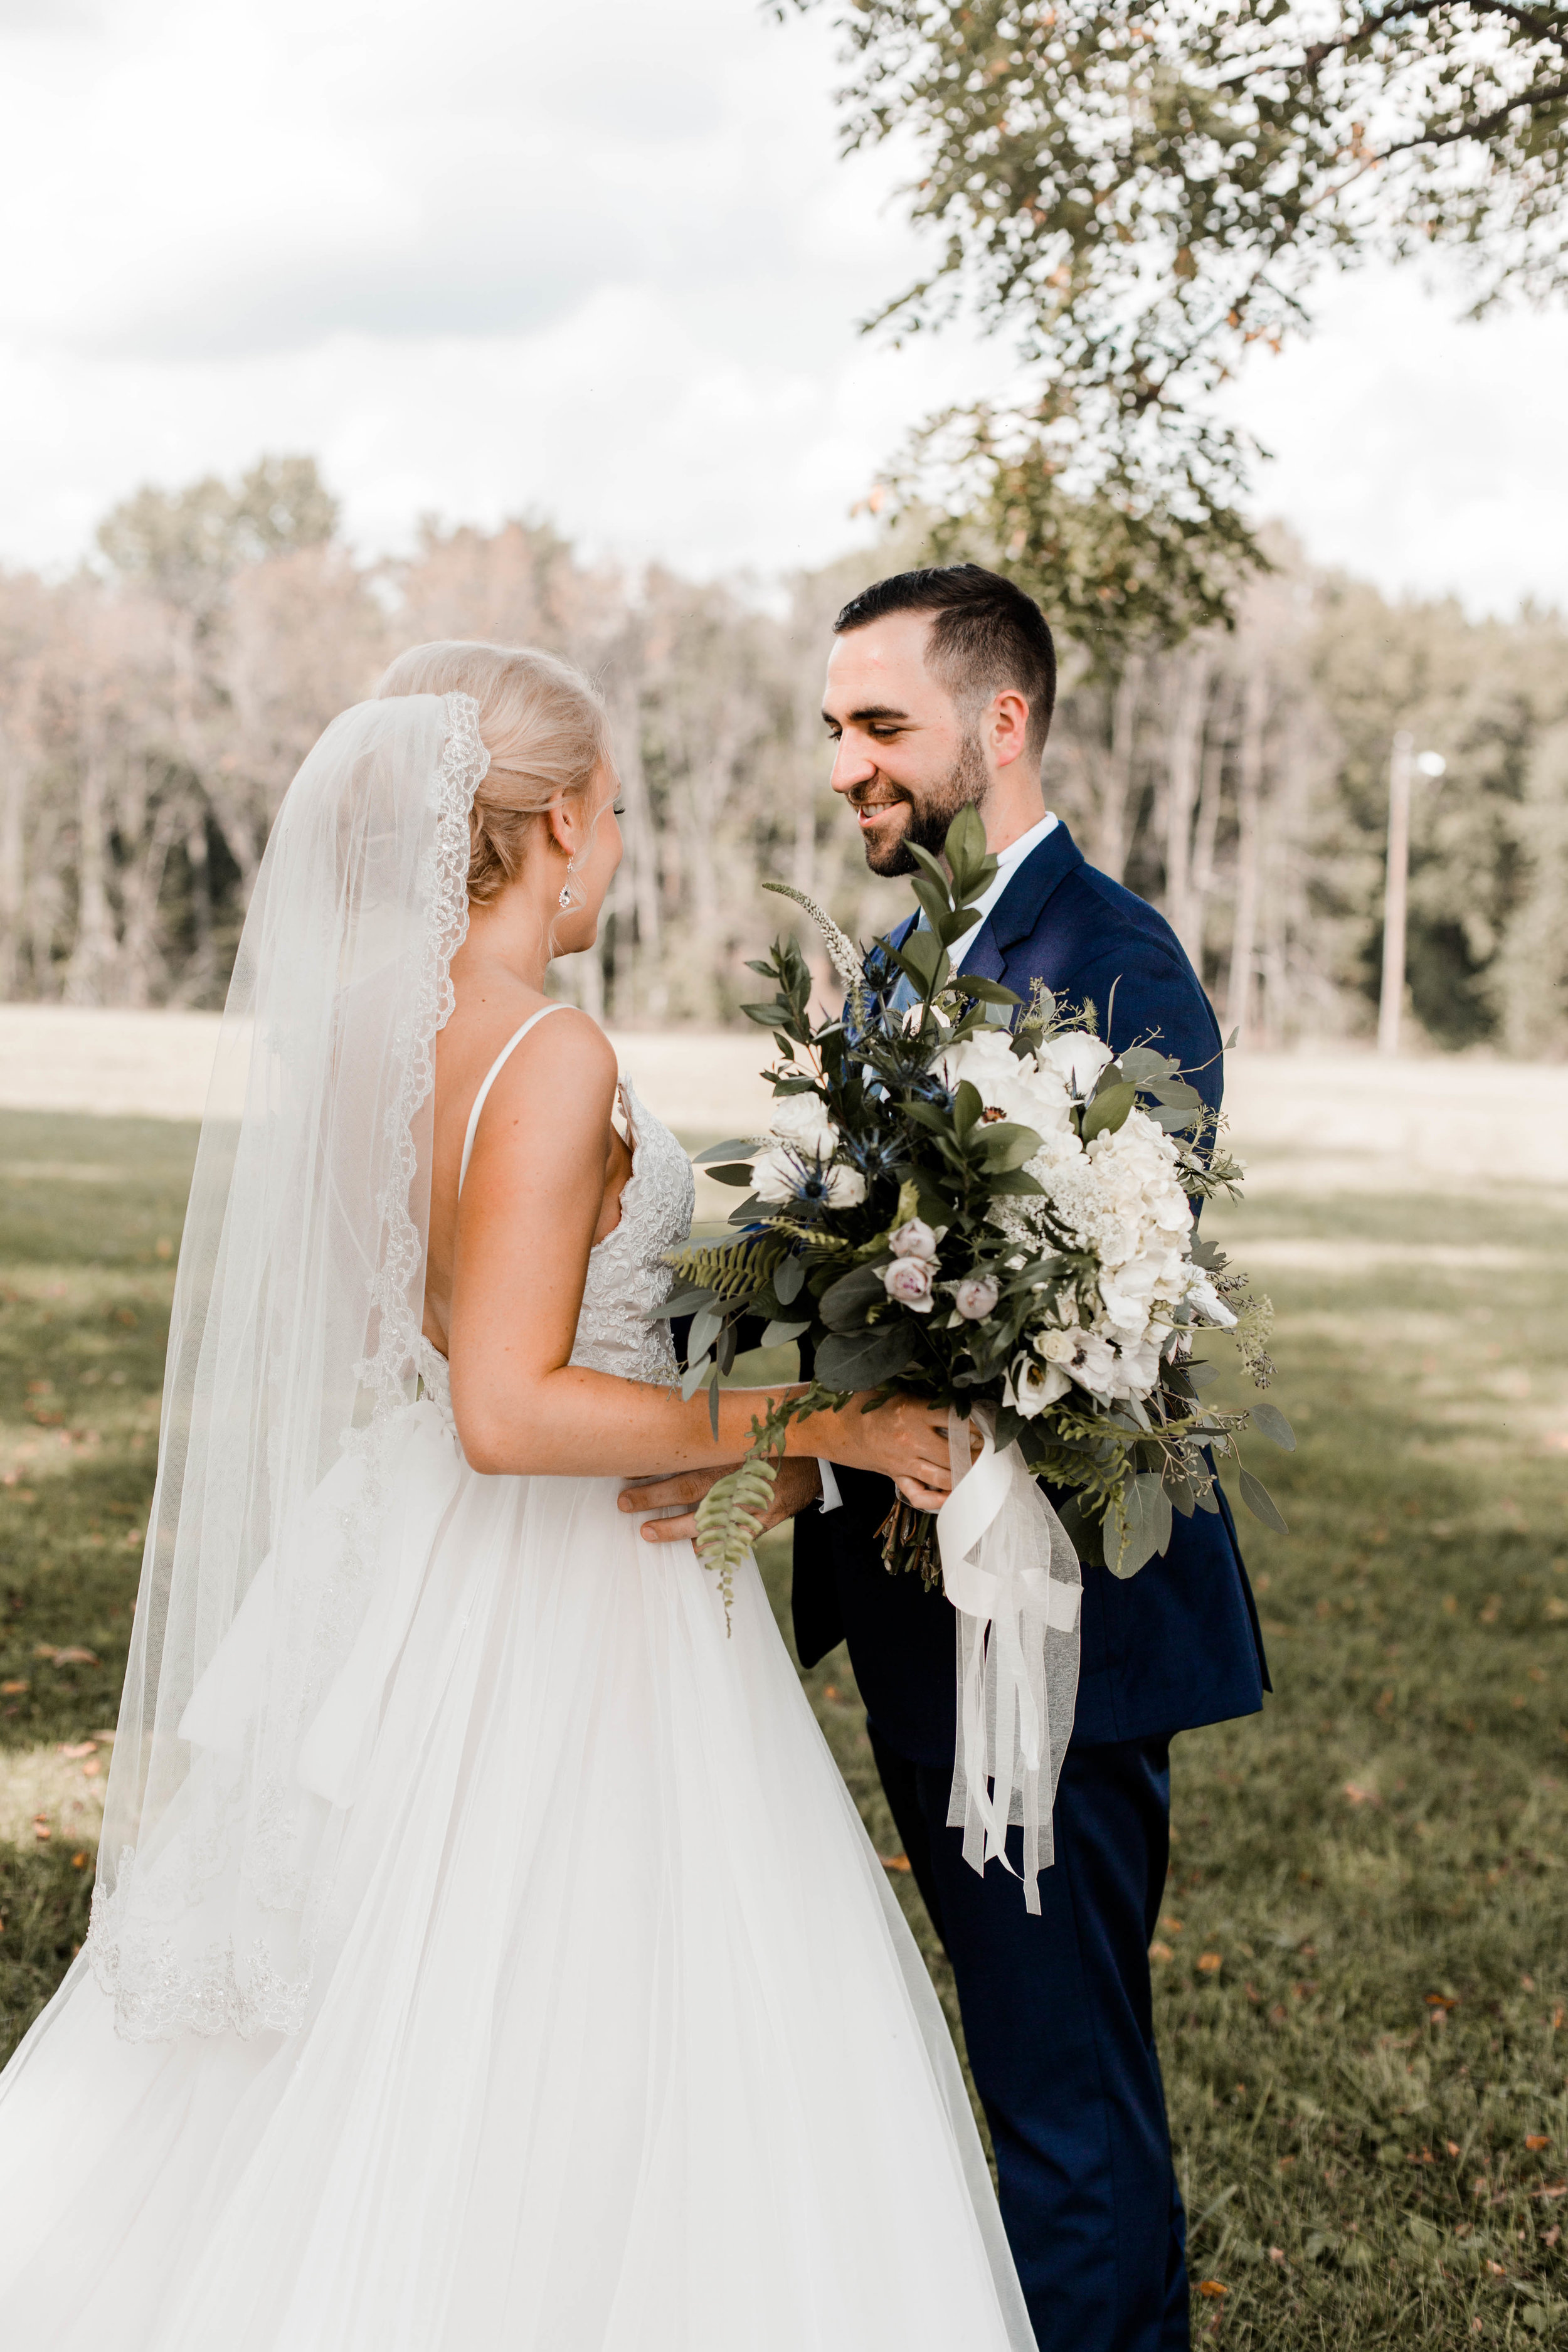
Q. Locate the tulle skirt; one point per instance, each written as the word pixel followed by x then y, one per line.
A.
pixel 623 2044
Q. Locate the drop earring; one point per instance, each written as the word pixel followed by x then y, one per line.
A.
pixel 568 893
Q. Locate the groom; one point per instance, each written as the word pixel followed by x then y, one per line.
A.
pixel 939 690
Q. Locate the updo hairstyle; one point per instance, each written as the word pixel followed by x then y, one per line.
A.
pixel 545 727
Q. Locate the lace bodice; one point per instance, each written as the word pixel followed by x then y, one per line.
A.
pixel 628 1280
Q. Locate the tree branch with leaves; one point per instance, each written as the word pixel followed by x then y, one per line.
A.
pixel 1140 192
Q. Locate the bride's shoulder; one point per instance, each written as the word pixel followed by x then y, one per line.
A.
pixel 566 1055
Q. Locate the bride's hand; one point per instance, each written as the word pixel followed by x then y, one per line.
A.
pixel 905 1440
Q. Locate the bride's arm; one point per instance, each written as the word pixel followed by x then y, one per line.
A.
pixel 526 1222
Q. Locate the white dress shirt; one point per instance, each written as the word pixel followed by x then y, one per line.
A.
pixel 1009 861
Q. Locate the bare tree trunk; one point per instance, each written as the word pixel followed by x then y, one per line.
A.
pixel 1248 857
pixel 1205 831
pixel 1113 800
pixel 1182 755
pixel 13 806
pixel 92 957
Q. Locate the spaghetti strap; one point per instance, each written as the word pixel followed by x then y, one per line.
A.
pixel 492 1074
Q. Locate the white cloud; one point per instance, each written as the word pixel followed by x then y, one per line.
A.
pixel 603 265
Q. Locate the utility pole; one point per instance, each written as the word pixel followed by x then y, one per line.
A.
pixel 1403 764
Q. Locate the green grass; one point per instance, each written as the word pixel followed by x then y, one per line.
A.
pixel 1364 2010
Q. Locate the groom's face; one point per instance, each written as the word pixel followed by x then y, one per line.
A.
pixel 906 762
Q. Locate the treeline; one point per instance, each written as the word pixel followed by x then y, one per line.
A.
pixel 154 708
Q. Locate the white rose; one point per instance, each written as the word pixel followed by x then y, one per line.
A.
pixel 975 1300
pixel 908 1280
pixel 913 1240
pixel 1031 1386
pixel 801 1120
pixel 1077 1058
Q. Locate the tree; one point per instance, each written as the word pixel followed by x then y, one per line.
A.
pixel 1141 190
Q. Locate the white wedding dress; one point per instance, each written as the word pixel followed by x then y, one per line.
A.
pixel 616 2038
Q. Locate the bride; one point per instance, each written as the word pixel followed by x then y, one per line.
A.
pixel 485 1951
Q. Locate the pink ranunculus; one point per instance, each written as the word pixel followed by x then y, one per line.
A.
pixel 908 1280
pixel 975 1299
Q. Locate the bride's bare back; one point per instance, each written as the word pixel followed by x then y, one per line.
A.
pixel 532 1089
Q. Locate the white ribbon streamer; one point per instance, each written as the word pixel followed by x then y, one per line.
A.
pixel 1012 1578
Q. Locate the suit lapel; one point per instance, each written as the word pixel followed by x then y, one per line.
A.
pixel 1017 914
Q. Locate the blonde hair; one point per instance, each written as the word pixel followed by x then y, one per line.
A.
pixel 544 725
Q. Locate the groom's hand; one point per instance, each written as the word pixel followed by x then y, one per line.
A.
pixel 796 1487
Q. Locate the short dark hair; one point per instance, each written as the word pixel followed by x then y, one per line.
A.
pixel 986 634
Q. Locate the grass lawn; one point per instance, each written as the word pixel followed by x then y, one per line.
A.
pixel 1362 1975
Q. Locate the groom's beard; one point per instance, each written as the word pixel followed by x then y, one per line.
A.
pixel 963 786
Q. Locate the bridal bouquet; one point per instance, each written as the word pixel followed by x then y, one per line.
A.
pixel 973 1199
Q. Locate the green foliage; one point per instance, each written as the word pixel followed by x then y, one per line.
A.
pixel 1138 193
pixel 186 543
pixel 906 1147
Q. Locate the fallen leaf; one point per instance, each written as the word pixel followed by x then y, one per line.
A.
pixel 90 1771
pixel 1444 2000
pixel 1171 1926
pixel 1550 2191
pixel 1276 2254
pixel 1534 2140
pixel 42 1830
pixel 1359 1796
pixel 1452 2145
pixel 1209 1961
pixel 1212 2286
pixel 78 1862
pixel 13 1689
pixel 77 1748
pixel 829 1690
pixel 1161 1953
pixel 894 1861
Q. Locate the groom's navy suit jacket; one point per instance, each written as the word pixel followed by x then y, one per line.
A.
pixel 1177 1644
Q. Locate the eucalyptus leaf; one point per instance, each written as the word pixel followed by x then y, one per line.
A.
pixel 788 1276
pixel 736 1172
pixel 843 1303
pixel 692 1378
pixel 780 1335
pixel 1261 1502
pixel 1149 1523
pixel 1085 1534
pixel 706 1325
pixel 1201 1374
pixel 1144 1064
pixel 736 1146
pixel 683 1302
pixel 1107 1111
pixel 863 1359
pixel 1273 1424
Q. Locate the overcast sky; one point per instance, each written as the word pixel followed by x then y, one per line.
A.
pixel 602 264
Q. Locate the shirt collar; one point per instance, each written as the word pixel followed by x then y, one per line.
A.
pixel 1009 861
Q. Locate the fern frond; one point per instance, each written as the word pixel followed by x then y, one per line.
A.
pixel 729 1269
pixel 730 1519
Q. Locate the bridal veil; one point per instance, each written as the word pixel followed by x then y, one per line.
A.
pixel 295 1342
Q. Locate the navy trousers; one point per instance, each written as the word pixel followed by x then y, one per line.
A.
pixel 1058 2015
